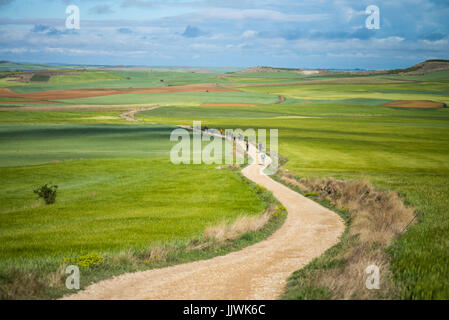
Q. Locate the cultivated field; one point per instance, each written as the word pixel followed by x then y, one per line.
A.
pixel 121 200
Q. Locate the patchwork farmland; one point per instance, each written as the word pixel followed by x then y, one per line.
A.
pixel 123 207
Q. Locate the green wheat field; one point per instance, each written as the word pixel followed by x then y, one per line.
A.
pixel 118 192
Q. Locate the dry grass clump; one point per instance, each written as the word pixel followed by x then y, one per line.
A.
pixel 243 224
pixel 125 258
pixel 56 278
pixel 376 218
pixel 157 253
pixel 19 284
pixel 348 281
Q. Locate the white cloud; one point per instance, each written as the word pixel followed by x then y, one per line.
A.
pixel 351 13
pixel 254 14
pixel 248 34
pixel 393 39
pixel 441 42
pixel 17 50
pixel 204 46
pixel 352 55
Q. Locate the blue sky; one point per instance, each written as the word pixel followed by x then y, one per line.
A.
pixel 280 33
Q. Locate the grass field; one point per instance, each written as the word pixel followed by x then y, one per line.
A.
pixel 435 91
pixel 329 126
pixel 29 144
pixel 405 150
pixel 118 194
pixel 114 205
pixel 192 98
pixel 406 154
pixel 208 112
pixel 93 117
pixel 10 99
pixel 112 79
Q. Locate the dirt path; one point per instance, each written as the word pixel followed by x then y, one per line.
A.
pixel 280 99
pixel 256 272
pixel 129 115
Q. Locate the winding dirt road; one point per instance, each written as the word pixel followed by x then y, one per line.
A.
pixel 259 271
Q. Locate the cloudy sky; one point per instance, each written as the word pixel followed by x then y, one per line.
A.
pixel 281 33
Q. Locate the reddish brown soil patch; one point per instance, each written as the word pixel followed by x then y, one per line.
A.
pixel 30 102
pixel 88 93
pixel 68 108
pixel 424 104
pixel 6 92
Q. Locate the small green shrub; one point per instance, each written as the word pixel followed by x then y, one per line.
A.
pixel 311 194
pixel 282 208
pixel 40 78
pixel 46 192
pixel 280 211
pixel 90 260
